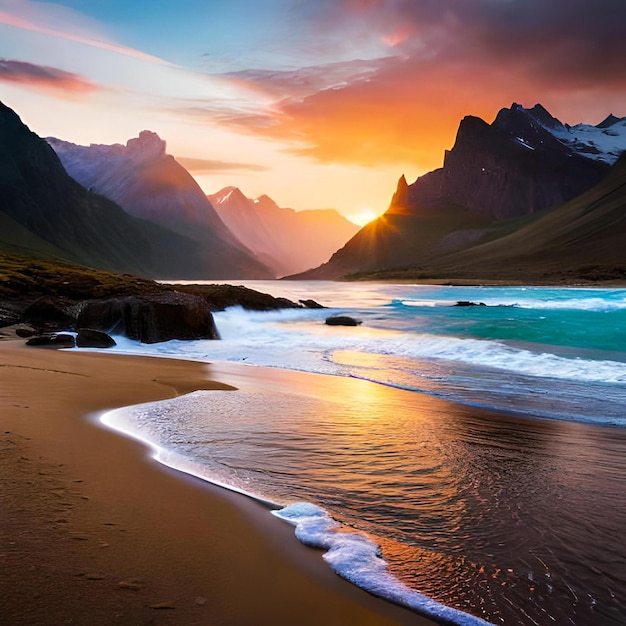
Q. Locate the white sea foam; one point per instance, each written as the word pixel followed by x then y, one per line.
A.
pixel 356 558
pixel 556 304
pixel 299 340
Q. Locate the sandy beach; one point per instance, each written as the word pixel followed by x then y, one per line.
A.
pixel 95 532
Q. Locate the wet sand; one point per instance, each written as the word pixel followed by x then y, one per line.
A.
pixel 95 532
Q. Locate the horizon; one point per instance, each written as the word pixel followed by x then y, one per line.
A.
pixel 316 104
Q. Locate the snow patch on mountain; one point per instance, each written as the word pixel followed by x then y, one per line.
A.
pixel 604 142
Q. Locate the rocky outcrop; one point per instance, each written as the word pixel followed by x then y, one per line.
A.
pixel 150 319
pixel 61 340
pixel 46 312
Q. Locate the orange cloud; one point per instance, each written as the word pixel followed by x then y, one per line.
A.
pixel 44 77
pixel 453 58
pixel 203 166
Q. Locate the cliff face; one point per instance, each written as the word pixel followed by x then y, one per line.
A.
pixel 580 238
pixel 513 167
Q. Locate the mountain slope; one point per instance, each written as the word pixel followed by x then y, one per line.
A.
pixel 495 174
pixel 586 234
pixel 51 214
pixel 241 218
pixel 149 184
pixel 289 241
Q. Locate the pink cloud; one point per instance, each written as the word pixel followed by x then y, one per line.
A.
pixel 19 22
pixel 44 77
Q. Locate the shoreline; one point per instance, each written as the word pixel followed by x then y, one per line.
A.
pixel 94 528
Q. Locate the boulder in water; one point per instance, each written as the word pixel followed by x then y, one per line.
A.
pixel 468 303
pixel 89 338
pixel 342 320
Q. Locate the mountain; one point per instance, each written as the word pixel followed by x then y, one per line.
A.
pixel 583 238
pixel 47 214
pixel 288 241
pixel 495 176
pixel 150 184
pixel 240 216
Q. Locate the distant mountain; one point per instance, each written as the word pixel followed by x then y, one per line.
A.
pixel 496 174
pixel 288 241
pixel 47 214
pixel 150 184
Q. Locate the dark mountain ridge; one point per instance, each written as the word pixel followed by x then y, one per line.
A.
pixel 583 237
pixel 510 168
pixel 495 177
pixel 51 213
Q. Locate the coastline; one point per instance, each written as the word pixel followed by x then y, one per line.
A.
pixel 93 527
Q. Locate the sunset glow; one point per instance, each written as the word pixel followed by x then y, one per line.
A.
pixel 318 104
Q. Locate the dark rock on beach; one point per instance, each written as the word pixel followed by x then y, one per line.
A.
pixel 61 340
pixel 50 296
pixel 342 320
pixel 89 338
pixel 150 319
pixel 47 311
pixel 25 332
pixel 468 303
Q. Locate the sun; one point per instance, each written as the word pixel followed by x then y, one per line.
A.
pixel 363 217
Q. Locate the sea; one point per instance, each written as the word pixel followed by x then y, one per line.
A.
pixel 468 462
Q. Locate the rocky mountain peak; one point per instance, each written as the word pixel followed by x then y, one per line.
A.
pixel 400 199
pixel 609 121
pixel 147 146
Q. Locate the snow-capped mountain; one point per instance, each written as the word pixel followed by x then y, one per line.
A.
pixel 150 184
pixel 604 142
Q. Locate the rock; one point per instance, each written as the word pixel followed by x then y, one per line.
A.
pixel 24 332
pixel 89 338
pixel 342 320
pixel 468 303
pixel 151 318
pixel 311 304
pixel 47 312
pixel 61 340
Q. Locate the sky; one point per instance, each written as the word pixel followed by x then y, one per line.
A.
pixel 317 103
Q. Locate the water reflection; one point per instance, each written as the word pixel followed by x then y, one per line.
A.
pixel 514 520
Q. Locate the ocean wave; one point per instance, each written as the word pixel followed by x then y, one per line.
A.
pixel 268 343
pixel 355 557
pixel 601 304
pixel 300 341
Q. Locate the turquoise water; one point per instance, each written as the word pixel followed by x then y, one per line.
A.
pixel 508 504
